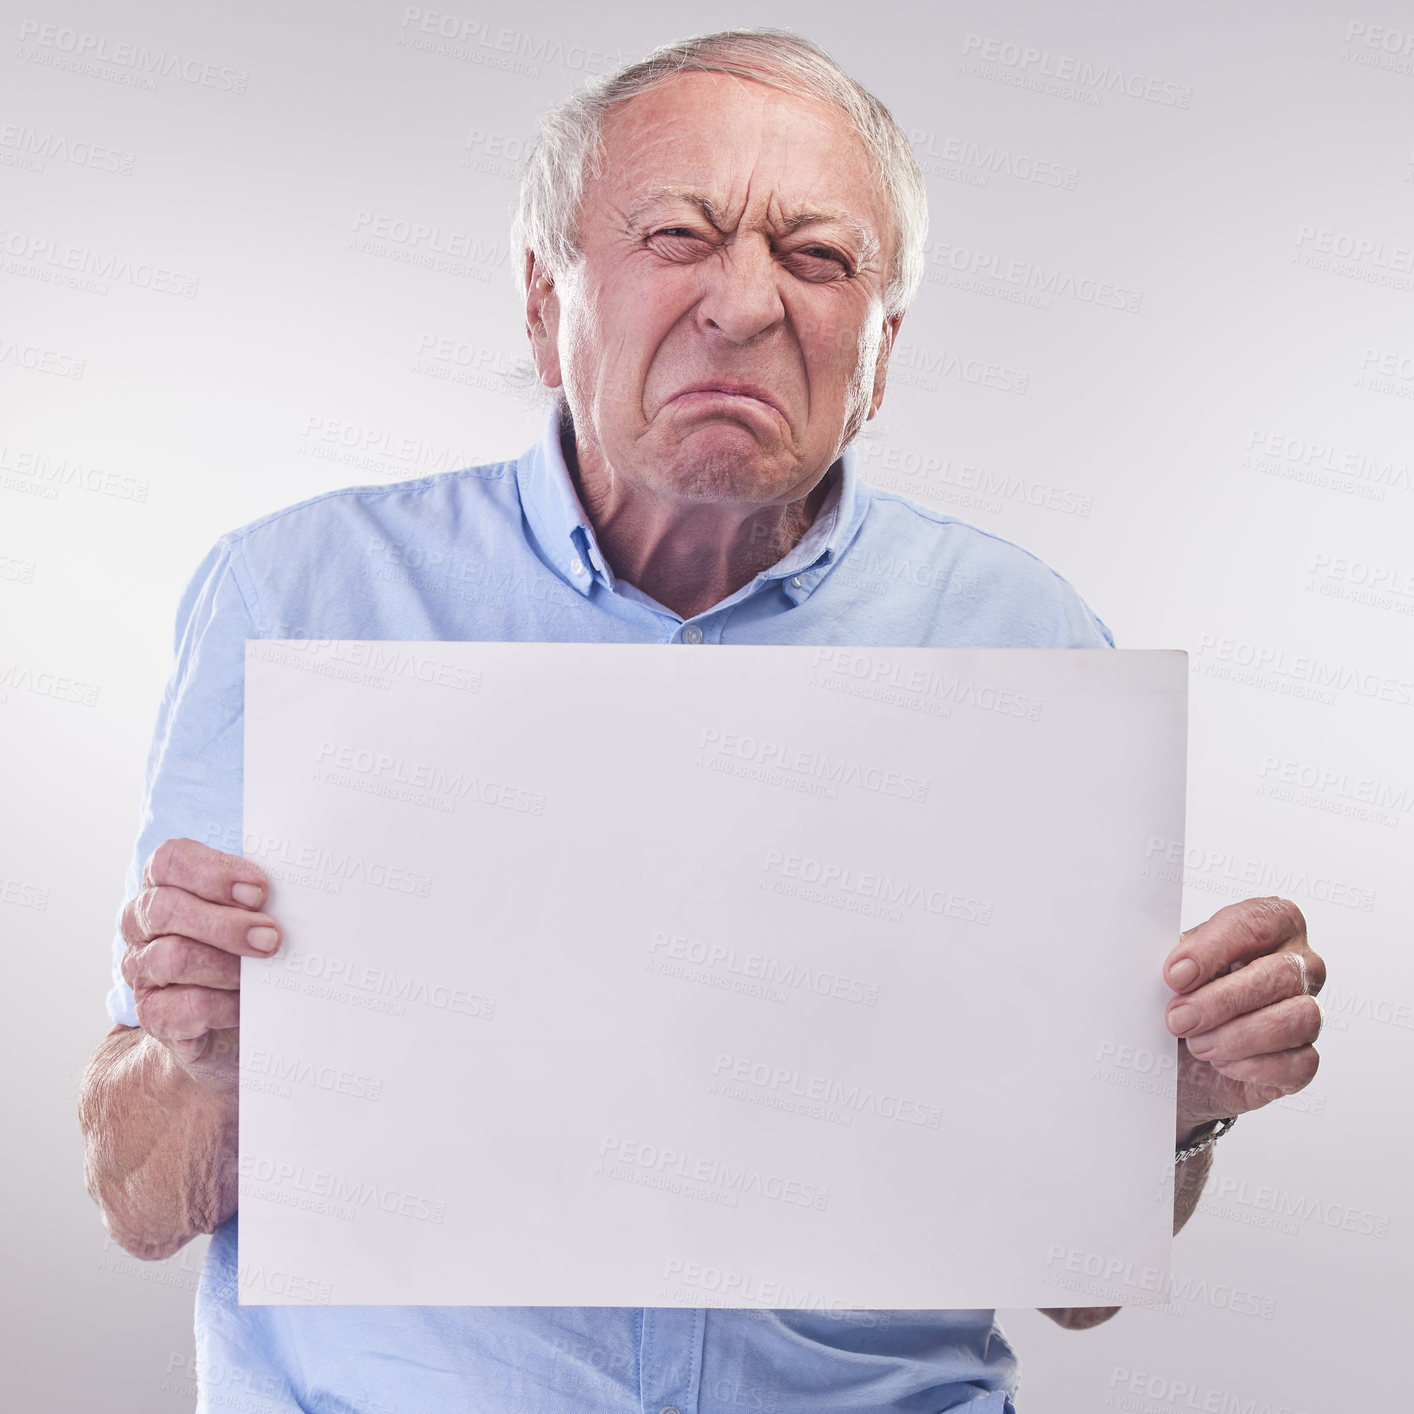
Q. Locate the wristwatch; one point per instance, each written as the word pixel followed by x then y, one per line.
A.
pixel 1216 1130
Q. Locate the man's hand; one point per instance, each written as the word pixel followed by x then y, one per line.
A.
pixel 1246 1010
pixel 197 915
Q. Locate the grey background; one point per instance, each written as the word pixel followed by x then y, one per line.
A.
pixel 295 368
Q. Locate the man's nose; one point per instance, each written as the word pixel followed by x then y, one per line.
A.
pixel 742 297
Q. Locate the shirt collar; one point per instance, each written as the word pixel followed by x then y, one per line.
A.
pixel 556 516
pixel 567 541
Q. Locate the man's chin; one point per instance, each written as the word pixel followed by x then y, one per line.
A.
pixel 724 461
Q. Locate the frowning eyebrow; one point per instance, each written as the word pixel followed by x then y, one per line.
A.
pixel 868 241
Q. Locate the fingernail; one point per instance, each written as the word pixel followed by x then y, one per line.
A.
pixel 1200 1045
pixel 1181 1018
pixel 248 894
pixel 1183 973
pixel 263 939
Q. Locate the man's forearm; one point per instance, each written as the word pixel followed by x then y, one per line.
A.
pixel 160 1149
pixel 1189 1177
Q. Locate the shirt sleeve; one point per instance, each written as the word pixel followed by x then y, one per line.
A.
pixel 192 784
pixel 1083 627
pixel 1046 608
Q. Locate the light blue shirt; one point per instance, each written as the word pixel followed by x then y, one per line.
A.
pixel 506 552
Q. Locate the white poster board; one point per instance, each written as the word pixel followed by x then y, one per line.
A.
pixel 655 976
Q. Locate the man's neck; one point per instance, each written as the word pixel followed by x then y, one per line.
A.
pixel 688 555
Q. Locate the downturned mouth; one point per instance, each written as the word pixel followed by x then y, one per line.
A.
pixel 735 390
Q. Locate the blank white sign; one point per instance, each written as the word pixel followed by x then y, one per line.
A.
pixel 660 976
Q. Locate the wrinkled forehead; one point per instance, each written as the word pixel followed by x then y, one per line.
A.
pixel 726 144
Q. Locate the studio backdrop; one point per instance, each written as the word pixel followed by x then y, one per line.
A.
pixel 1165 341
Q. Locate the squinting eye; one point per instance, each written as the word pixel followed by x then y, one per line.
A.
pixel 679 243
pixel 819 262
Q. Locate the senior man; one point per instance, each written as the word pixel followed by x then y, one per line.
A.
pixel 719 243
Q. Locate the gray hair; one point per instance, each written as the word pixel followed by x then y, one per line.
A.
pixel 570 143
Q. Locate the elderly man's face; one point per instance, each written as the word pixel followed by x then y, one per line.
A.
pixel 723 335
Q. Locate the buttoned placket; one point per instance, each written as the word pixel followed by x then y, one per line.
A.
pixel 670 1360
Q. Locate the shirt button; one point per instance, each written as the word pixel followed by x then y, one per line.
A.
pixel 798 582
pixel 669 1409
pixel 576 565
pixel 692 634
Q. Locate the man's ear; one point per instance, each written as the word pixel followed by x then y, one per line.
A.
pixel 542 320
pixel 881 366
